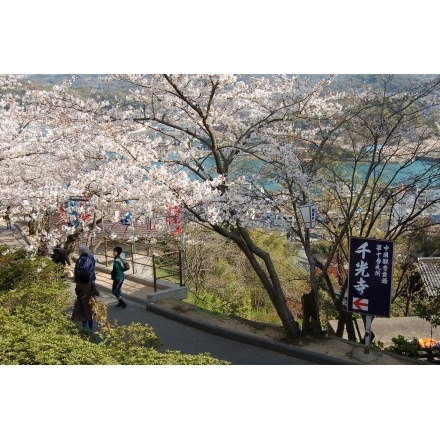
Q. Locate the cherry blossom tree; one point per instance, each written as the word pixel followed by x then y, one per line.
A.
pixel 362 166
pixel 210 133
pixel 177 140
pixel 226 151
pixel 216 128
pixel 56 146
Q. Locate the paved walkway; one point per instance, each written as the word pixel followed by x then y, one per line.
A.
pixel 14 238
pixel 181 333
pixel 189 340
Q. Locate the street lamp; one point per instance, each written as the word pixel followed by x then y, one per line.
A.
pixel 311 321
pixel 308 213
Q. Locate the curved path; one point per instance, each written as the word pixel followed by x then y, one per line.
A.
pixel 189 340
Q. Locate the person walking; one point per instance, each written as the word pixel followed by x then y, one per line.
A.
pixel 59 256
pixel 118 276
pixel 7 217
pixel 86 292
pixel 85 263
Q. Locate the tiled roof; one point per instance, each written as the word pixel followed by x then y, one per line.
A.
pixel 157 227
pixel 429 269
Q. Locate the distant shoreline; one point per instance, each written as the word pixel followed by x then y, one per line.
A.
pixel 398 160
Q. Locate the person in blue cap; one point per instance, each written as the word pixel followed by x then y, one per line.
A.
pixel 85 263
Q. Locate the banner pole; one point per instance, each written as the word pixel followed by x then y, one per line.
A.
pixel 368 321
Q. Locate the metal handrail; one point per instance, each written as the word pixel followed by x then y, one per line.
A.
pixel 156 264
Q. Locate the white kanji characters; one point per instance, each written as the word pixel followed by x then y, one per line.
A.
pixel 361 286
pixel 361 269
pixel 363 249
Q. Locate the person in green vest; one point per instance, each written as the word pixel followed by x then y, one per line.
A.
pixel 118 276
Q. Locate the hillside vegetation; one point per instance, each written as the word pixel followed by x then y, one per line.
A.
pixel 36 329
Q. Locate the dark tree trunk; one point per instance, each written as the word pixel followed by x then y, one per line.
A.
pixel 345 321
pixel 267 274
pixel 311 322
pixel 33 227
pixel 43 249
pixel 69 245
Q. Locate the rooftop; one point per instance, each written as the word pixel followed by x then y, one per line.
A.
pixel 429 269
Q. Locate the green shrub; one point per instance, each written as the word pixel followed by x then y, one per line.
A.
pixel 35 325
pixel 404 347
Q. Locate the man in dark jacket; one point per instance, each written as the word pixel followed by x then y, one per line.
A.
pixel 60 256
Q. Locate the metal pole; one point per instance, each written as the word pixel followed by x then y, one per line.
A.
pixel 105 248
pixel 183 259
pixel 312 274
pixel 368 320
pixel 132 257
pixel 154 274
pixel 180 269
pixel 133 247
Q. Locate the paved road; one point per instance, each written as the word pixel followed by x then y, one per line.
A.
pixel 189 340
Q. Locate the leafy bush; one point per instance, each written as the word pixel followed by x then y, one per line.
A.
pixel 404 347
pixel 220 278
pixel 35 325
pixel 428 308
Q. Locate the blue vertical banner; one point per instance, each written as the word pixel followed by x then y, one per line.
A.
pixel 370 276
pixel 127 218
pixel 71 209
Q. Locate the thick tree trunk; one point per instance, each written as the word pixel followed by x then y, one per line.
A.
pixel 43 248
pixel 345 321
pixel 69 245
pixel 33 227
pixel 311 322
pixel 268 276
pixel 289 323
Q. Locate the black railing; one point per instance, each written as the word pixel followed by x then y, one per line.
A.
pixel 156 262
pixel 164 267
